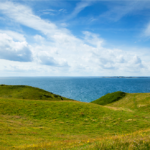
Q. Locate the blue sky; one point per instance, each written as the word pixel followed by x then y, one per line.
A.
pixel 75 38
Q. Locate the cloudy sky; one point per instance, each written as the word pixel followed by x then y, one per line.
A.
pixel 75 38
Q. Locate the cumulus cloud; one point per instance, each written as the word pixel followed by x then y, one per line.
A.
pixel 15 51
pixel 16 36
pixel 93 39
pixel 136 62
pixel 39 38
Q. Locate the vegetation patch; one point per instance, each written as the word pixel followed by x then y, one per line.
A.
pixel 109 98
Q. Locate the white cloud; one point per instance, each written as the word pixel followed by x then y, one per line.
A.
pixel 93 39
pixel 15 51
pixel 46 59
pixel 14 35
pixel 39 38
pixel 58 51
pixel 25 16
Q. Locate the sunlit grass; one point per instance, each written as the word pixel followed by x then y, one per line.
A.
pixel 135 140
pixel 37 124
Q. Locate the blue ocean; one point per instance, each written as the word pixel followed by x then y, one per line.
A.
pixel 85 89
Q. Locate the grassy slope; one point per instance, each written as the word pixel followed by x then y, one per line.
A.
pixel 27 92
pixel 138 101
pixel 37 121
pixel 139 104
pixel 109 98
pixel 38 124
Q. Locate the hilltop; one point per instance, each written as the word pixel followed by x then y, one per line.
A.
pixel 38 124
pixel 28 92
pixel 109 98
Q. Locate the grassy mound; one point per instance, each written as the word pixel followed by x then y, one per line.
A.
pixel 109 98
pixel 134 101
pixel 27 92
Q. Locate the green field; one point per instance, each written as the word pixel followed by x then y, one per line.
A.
pixel 31 118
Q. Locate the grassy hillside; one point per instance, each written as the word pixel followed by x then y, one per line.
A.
pixel 71 125
pixel 139 101
pixel 27 92
pixel 109 98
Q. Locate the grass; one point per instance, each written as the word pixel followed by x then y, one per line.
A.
pixel 109 98
pixel 63 124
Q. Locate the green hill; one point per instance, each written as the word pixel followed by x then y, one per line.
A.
pixel 134 101
pixel 28 92
pixel 72 125
pixel 109 98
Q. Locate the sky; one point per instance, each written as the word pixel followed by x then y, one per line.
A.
pixel 74 38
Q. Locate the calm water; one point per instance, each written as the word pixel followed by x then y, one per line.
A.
pixel 83 89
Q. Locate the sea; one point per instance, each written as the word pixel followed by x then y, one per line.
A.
pixel 85 89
